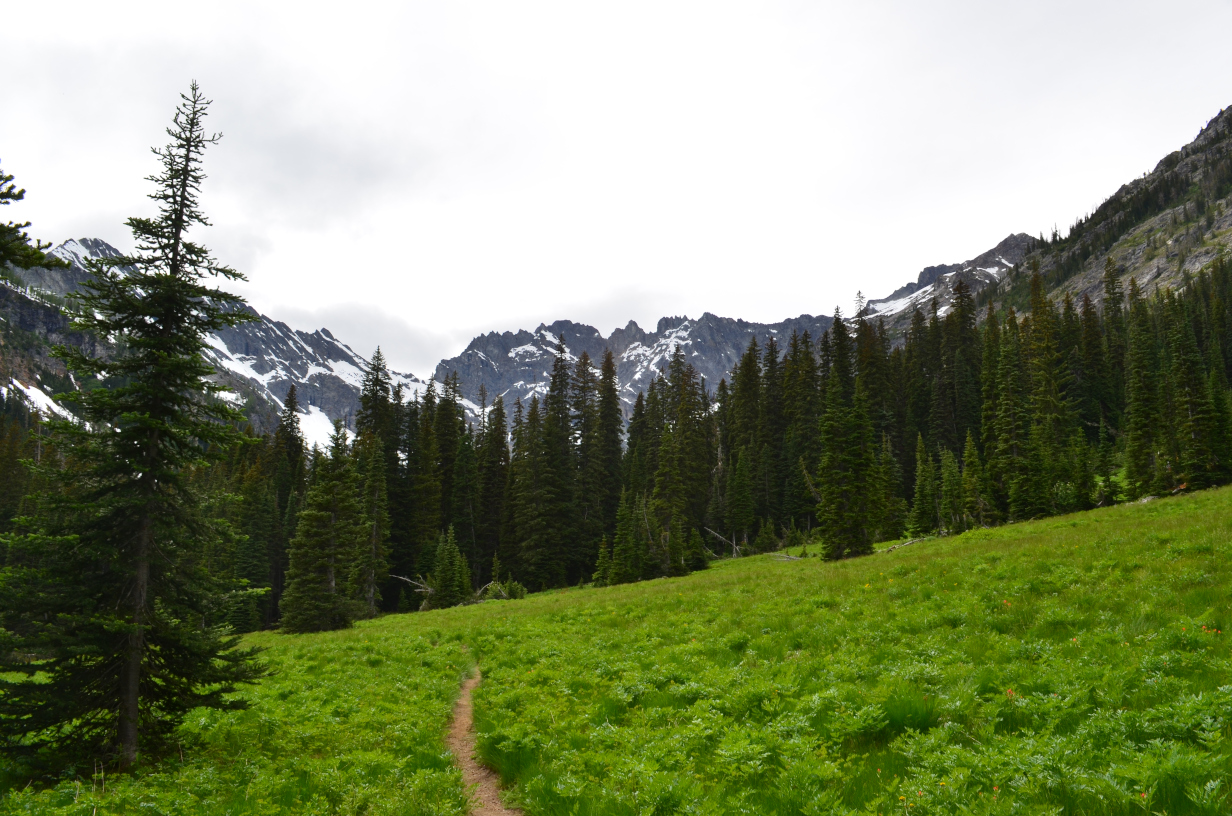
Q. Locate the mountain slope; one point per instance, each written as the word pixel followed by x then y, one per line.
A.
pixel 1158 229
pixel 937 282
pixel 260 360
pixel 517 365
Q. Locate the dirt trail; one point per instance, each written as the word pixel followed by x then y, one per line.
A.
pixel 483 783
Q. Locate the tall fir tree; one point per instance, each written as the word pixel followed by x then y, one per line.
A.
pixel 925 513
pixel 370 567
pixel 847 455
pixel 330 534
pixel 107 589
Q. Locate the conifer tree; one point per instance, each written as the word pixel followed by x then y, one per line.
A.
pixel 1094 388
pixel 426 486
pixel 924 510
pixel 290 456
pixel 695 552
pixel 370 568
pixel 1116 341
pixel 1141 394
pixel 975 488
pixel 603 565
pixel 888 515
pixel 990 381
pixel 330 534
pixel 607 456
pixel 493 470
pixel 108 588
pixel 801 454
pixel 465 500
pixel 740 517
pixel 562 558
pixel 626 552
pixel 1195 412
pixel 847 456
pixel 533 505
pixel 450 582
pixel 1008 467
pixel 953 510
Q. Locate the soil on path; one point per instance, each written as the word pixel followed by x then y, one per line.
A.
pixel 483 783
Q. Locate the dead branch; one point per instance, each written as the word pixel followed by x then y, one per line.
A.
pixel 420 586
pixel 808 481
pixel 732 544
pixel 499 588
pixel 904 544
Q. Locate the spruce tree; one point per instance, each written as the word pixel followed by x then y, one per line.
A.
pixel 953 511
pixel 108 588
pixel 924 511
pixel 1141 395
pixel 607 455
pixel 290 456
pixel 603 565
pixel 426 486
pixel 450 582
pixel 330 534
pixel 370 568
pixel 493 468
pixel 740 507
pixel 890 514
pixel 465 500
pixel 847 455
pixel 626 552
pixel 977 506
pixel 1195 411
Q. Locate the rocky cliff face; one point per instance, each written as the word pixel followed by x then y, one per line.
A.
pixel 517 365
pixel 1158 229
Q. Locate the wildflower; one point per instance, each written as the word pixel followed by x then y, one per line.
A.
pixel 994 787
pixel 1008 693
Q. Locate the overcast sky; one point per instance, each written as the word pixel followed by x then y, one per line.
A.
pixel 412 174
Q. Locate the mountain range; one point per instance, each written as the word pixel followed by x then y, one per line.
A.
pixel 1145 228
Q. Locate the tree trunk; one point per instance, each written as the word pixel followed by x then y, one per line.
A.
pixel 134 650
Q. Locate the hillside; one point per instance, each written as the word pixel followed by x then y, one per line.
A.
pixel 1159 229
pixel 1073 665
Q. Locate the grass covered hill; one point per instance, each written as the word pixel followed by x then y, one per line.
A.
pixel 1073 665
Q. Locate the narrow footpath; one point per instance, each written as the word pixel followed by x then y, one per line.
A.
pixel 482 783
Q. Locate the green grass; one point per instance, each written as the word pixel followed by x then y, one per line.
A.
pixel 350 722
pixel 1073 665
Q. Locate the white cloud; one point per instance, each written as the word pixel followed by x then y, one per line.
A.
pixel 444 169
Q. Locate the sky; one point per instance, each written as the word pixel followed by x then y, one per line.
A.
pixel 412 174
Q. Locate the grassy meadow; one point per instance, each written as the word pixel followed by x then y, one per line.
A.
pixel 1072 665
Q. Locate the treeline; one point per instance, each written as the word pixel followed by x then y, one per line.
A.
pixel 838 443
